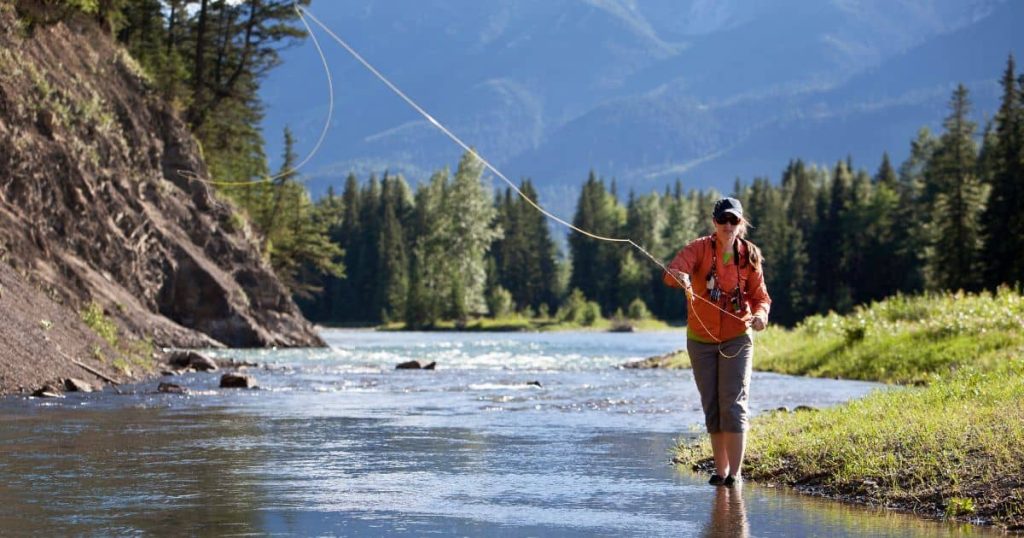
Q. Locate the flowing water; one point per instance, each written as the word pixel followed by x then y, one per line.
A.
pixel 338 442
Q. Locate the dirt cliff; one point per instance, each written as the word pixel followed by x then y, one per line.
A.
pixel 100 212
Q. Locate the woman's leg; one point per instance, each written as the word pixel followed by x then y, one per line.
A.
pixel 719 448
pixel 734 445
pixel 704 360
pixel 734 370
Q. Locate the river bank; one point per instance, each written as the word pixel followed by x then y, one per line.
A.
pixel 950 446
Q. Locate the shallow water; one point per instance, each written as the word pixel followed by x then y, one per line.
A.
pixel 340 443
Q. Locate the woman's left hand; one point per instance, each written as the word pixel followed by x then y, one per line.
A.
pixel 757 323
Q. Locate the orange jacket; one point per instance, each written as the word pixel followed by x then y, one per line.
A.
pixel 705 321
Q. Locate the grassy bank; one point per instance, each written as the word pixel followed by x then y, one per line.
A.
pixel 900 340
pixel 951 447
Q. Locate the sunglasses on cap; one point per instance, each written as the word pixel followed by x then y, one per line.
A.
pixel 727 218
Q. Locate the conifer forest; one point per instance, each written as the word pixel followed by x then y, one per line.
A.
pixel 457 245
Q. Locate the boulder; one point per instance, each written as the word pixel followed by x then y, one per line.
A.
pixel 171 388
pixel 76 385
pixel 416 365
pixel 192 359
pixel 237 381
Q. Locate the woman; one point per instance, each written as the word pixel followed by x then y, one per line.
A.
pixel 728 298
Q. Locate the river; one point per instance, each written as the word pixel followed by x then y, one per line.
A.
pixel 338 442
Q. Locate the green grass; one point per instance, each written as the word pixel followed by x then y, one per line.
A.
pixel 952 447
pixel 900 340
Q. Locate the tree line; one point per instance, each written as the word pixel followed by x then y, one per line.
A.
pixel 947 218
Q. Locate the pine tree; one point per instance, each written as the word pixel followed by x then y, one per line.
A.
pixel 345 231
pixel 321 307
pixel 428 267
pixel 783 251
pixel 393 281
pixel 525 254
pixel 858 234
pixel 1004 245
pixel 645 223
pixel 367 300
pixel 829 248
pixel 585 250
pixel 953 259
pixel 886 174
pixel 911 220
pixel 882 241
pixel 596 264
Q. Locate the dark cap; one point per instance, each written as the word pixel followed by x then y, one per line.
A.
pixel 728 205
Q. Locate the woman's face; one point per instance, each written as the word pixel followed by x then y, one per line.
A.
pixel 727 228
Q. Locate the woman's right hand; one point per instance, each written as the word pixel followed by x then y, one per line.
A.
pixel 681 277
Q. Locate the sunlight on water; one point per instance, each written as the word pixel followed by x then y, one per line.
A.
pixel 512 434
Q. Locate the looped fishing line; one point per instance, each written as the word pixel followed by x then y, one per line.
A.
pixel 498 173
pixel 189 174
pixel 303 13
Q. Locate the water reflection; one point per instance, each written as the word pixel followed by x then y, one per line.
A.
pixel 728 514
pixel 144 470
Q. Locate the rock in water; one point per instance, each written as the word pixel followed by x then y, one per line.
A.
pixel 171 388
pixel 237 381
pixel 192 359
pixel 416 365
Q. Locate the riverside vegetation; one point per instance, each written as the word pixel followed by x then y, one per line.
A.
pixel 949 445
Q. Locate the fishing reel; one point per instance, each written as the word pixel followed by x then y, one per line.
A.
pixel 736 300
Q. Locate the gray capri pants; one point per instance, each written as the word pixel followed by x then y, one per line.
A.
pixel 723 380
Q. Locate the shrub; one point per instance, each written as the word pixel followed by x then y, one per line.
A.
pixel 638 310
pixel 103 326
pixel 499 302
pixel 543 312
pixel 571 310
pixel 591 313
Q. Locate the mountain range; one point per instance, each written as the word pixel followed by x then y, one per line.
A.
pixel 643 92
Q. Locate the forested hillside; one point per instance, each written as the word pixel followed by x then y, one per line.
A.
pixel 941 220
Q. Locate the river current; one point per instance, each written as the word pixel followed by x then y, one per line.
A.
pixel 513 434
